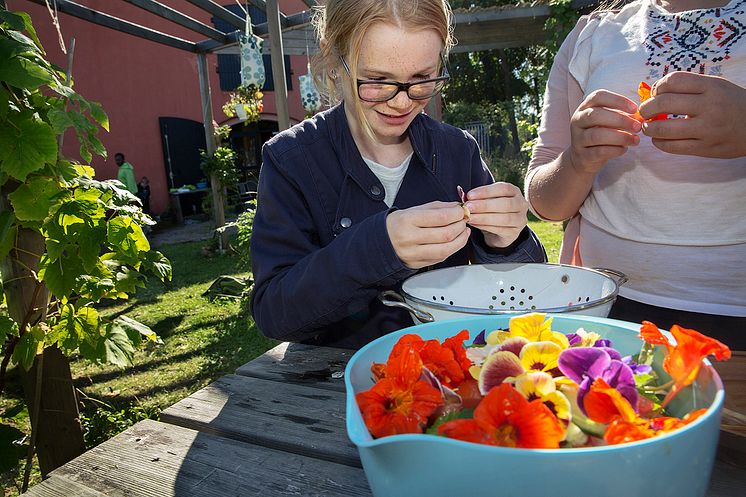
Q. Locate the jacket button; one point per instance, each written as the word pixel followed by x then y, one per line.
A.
pixel 375 190
pixel 345 222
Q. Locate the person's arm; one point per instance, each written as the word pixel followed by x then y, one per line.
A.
pixel 714 109
pixel 576 138
pixel 300 286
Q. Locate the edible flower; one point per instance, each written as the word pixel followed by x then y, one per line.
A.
pixel 684 357
pixel 532 387
pixel 400 402
pixel 583 365
pixel 505 418
pixel 645 92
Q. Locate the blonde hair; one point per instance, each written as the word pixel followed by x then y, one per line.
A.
pixel 342 24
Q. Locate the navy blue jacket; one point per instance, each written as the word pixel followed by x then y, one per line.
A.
pixel 316 276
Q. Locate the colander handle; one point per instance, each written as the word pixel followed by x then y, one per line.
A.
pixel 392 299
pixel 618 276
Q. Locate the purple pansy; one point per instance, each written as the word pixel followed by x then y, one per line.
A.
pixel 637 369
pixel 584 364
pixel 602 343
pixel 574 339
pixel 479 339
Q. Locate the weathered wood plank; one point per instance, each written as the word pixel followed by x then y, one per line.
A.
pixel 55 486
pixel 274 414
pixel 153 459
pixel 318 367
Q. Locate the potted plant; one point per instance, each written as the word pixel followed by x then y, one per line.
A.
pixel 245 102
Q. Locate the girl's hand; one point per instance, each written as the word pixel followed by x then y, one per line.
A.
pixel 427 234
pixel 601 129
pixel 499 210
pixel 714 109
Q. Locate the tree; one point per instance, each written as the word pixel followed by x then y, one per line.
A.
pixel 513 77
pixel 67 241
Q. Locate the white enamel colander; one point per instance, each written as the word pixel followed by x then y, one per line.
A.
pixel 506 289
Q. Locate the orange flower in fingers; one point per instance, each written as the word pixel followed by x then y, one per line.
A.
pixel 645 92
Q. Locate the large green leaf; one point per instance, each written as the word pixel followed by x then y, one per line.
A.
pixel 28 347
pixel 59 120
pixel 158 264
pixel 21 72
pixel 135 330
pixel 60 276
pixel 26 145
pixel 7 233
pixel 8 326
pixel 127 237
pixel 32 200
pixel 67 333
pixel 4 102
pixel 98 114
pixel 14 20
pixel 112 347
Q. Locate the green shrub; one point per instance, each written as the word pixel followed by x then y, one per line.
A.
pixel 511 170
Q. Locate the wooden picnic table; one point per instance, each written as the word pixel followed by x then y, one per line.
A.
pixel 275 428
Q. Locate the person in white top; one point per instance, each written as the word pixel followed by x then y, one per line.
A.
pixel 661 200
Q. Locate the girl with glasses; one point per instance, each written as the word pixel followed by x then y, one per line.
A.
pixel 364 195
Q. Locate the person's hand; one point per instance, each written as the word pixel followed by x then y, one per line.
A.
pixel 714 110
pixel 602 128
pixel 499 210
pixel 427 234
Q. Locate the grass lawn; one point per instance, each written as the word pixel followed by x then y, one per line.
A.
pixel 202 341
pixel 550 235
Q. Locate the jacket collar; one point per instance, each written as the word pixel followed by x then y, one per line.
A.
pixel 349 155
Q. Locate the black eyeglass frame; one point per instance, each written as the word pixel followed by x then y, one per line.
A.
pixel 401 87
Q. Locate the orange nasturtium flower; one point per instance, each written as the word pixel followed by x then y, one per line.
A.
pixel 606 405
pixel 401 402
pixel 505 418
pixel 645 93
pixel 684 358
pixel 443 360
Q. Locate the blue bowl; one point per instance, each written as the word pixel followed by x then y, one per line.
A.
pixel 678 464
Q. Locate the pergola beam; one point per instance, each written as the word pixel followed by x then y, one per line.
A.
pixel 293 22
pixel 109 21
pixel 177 17
pixel 220 12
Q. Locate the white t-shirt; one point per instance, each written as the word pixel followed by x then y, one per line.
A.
pixel 675 224
pixel 391 177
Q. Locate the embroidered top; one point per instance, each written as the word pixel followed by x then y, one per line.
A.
pixel 673 223
pixel 695 40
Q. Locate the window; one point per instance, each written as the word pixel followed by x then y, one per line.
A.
pixel 229 65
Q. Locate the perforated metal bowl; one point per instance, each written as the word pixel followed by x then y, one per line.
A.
pixel 479 289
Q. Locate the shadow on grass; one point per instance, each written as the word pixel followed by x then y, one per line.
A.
pixel 236 342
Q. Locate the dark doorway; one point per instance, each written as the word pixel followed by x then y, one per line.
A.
pixel 247 141
pixel 182 141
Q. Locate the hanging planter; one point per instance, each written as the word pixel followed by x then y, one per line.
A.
pixel 245 102
pixel 309 95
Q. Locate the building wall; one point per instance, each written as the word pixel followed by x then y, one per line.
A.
pixel 137 81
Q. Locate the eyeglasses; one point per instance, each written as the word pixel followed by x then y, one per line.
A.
pixel 373 90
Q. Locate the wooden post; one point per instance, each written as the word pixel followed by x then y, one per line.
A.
pixel 278 64
pixel 218 211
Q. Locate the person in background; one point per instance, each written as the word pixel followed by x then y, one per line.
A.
pixel 126 173
pixel 360 197
pixel 143 193
pixel 659 194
